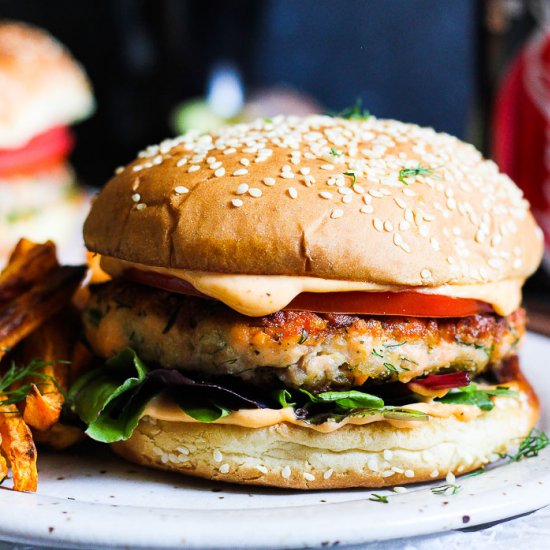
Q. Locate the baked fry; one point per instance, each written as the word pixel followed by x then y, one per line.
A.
pixel 41 411
pixel 18 447
pixel 28 263
pixel 59 436
pixel 22 315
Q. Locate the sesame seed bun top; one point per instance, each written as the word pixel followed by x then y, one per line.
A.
pixel 365 200
pixel 41 85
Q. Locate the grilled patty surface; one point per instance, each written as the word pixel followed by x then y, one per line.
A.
pixel 300 349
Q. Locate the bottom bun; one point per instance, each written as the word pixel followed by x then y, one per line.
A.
pixel 293 457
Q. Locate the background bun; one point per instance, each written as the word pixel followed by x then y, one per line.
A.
pixel 289 456
pixel 41 85
pixel 278 198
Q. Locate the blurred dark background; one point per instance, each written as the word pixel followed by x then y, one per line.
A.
pixel 424 61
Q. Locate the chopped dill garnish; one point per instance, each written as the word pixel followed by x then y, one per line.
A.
pixel 379 498
pixel 390 346
pixel 447 489
pixel 376 353
pixel 304 336
pixel 392 368
pixel 351 175
pixel 356 112
pixel 335 153
pixel 418 171
pixel 530 446
pixel 17 374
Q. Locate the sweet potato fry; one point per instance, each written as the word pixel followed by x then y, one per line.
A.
pixel 18 446
pixel 29 262
pixel 3 465
pixel 59 437
pixel 22 315
pixel 42 411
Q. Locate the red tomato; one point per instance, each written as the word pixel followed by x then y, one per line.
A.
pixel 44 150
pixel 408 303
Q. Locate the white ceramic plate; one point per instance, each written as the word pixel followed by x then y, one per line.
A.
pixel 88 497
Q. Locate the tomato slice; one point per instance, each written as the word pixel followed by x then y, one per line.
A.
pixel 44 150
pixel 407 303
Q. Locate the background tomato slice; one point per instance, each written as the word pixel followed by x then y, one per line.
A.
pixel 407 303
pixel 43 151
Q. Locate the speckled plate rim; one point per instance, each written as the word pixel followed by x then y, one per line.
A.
pixel 505 491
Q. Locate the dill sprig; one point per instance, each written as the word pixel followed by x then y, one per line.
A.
pixel 336 153
pixel 447 489
pixel 16 374
pixel 356 112
pixel 418 171
pixel 530 446
pixel 352 175
pixel 379 498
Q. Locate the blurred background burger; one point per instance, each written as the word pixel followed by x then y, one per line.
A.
pixel 42 90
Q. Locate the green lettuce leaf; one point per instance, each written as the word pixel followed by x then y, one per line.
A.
pixel 472 395
pixel 346 400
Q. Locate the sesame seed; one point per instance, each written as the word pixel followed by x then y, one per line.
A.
pixel 495 263
pixel 245 162
pixel 435 473
pixel 400 202
pixel 400 490
pixel 240 172
pixel 182 450
pixel 327 167
pixel 328 473
pixel 387 473
pixel 210 160
pixel 269 181
pixel 450 478
pixel 344 190
pixel 359 189
pixel 137 168
pixel 368 209
pixel 242 189
pixel 309 477
pixel 409 192
pixel 224 468
pixel 388 226
pixel 194 168
pixel 164 458
pixel 305 171
pixel 397 470
pixel 285 472
pixel 157 451
pixel 378 225
pixel 309 180
pixel 292 192
pixel 216 165
pixel 388 455
pixel 376 194
pixel 372 465
pixel 337 213
pixel 287 175
pixel 425 273
pixel 237 203
pixel 230 151
pixel 119 170
pixel 220 172
pixel 262 469
pixel 409 473
pixel 136 197
pixel 286 168
pixel 325 195
pixel 255 192
pixel 404 225
pixel 181 190
pixel 141 206
pixel 217 455
pixel 347 199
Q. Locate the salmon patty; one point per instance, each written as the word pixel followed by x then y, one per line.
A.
pixel 299 349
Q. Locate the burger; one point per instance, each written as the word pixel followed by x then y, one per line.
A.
pixel 310 303
pixel 42 90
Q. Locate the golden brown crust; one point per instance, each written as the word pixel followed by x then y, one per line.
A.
pixel 460 222
pixel 375 455
pixel 41 85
